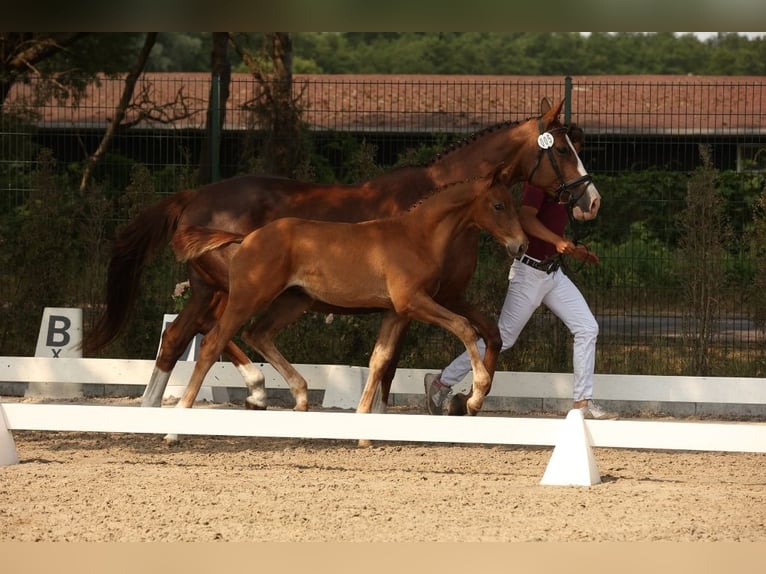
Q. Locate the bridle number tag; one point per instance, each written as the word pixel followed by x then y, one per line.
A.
pixel 545 140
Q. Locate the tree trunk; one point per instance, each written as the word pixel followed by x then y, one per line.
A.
pixel 119 112
pixel 285 118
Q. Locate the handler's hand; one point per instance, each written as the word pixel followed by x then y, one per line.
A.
pixel 582 253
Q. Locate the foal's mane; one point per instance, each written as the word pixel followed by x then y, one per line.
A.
pixel 437 190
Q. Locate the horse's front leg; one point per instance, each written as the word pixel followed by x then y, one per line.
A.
pixel 423 308
pixel 488 331
pixel 387 346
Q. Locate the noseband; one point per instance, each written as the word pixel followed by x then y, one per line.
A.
pixel 563 193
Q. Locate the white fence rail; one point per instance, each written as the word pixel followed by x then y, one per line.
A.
pixel 737 390
pixel 673 435
pixel 487 429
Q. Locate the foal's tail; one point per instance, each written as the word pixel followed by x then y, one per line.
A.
pixel 135 246
pixel 191 242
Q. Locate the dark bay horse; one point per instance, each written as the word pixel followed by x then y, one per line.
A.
pixel 241 204
pixel 395 264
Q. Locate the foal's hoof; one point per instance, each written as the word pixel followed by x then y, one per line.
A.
pixel 171 440
pixel 251 406
pixel 457 405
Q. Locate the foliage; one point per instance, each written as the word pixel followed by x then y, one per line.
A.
pixel 701 262
pixel 756 243
pixel 38 239
pixel 61 65
pixel 630 268
pixel 502 53
pixel 361 165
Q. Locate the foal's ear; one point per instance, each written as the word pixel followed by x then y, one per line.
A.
pixel 497 175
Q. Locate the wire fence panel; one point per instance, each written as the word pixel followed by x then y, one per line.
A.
pixel 646 138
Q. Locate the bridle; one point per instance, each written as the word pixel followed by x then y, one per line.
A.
pixel 563 193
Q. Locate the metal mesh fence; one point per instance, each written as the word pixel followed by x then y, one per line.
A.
pixel 643 142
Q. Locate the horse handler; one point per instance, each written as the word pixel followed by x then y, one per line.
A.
pixel 537 278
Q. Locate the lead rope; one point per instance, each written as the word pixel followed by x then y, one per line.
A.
pixel 559 260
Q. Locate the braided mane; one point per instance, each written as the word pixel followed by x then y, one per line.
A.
pixel 472 138
pixel 455 146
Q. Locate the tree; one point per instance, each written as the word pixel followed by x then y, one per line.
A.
pixel 21 54
pixel 62 65
pixel 276 111
pixel 704 232
pixel 119 112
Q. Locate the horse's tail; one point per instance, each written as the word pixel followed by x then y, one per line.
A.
pixel 191 242
pixel 134 247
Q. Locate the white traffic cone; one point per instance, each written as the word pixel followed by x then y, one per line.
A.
pixel 7 445
pixel 572 462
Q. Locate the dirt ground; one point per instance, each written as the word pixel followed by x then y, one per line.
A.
pixel 91 487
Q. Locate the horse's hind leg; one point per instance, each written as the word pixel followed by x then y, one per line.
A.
pixel 387 346
pixel 212 346
pixel 389 371
pixel 255 381
pixel 174 341
pixel 251 373
pixel 214 343
pixel 283 311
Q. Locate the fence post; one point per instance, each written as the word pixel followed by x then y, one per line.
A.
pixel 568 98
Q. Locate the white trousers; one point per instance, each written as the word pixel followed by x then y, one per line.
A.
pixel 527 289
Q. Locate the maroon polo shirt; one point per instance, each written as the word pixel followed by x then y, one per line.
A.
pixel 550 213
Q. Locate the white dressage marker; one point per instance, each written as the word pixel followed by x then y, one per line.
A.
pixel 572 462
pixel 59 339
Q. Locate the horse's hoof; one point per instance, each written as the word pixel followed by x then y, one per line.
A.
pixel 254 406
pixel 457 405
pixel 474 409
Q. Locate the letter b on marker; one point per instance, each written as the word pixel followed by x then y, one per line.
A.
pixel 60 333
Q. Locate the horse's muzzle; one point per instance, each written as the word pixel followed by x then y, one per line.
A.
pixel 516 248
pixel 587 206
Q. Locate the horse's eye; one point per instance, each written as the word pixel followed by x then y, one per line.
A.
pixel 499 207
pixel 564 150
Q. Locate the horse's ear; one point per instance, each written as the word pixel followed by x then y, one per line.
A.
pixel 545 105
pixel 552 113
